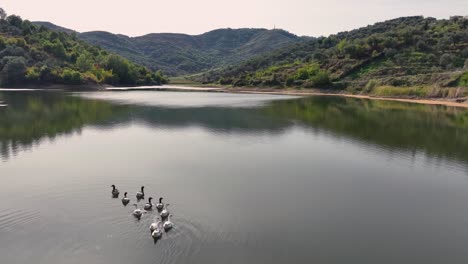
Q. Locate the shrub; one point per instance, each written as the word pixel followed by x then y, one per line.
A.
pixel 446 60
pixel 70 76
pixel 371 84
pixel 321 79
pixel 463 80
pixel 33 74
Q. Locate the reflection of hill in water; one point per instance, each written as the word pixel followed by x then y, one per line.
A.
pixel 438 131
pixel 227 120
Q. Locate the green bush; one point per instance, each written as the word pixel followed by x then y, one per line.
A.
pixel 463 80
pixel 33 74
pixel 321 79
pixel 70 76
pixel 371 84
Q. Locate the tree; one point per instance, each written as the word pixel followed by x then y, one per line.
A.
pixel 15 21
pixel 126 72
pixel 56 48
pixel 84 62
pixel 13 71
pixel 422 46
pixel 446 60
pixel 3 14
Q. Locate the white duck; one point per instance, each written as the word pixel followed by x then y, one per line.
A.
pixel 115 191
pixel 168 224
pixel 157 233
pixel 141 194
pixel 155 225
pixel 149 205
pixel 137 212
pixel 165 213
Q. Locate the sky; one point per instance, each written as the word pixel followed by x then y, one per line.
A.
pixel 301 17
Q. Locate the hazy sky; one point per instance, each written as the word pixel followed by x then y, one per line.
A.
pixel 302 17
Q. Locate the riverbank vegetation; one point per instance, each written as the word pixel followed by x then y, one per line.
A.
pixel 35 55
pixel 405 52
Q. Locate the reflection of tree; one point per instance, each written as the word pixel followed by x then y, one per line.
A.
pixel 438 131
pixel 31 117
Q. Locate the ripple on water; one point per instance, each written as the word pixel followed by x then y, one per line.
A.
pixel 14 219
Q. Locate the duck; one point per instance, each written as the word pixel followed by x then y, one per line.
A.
pixel 160 205
pixel 149 205
pixel 155 224
pixel 137 212
pixel 157 232
pixel 115 191
pixel 125 200
pixel 165 213
pixel 141 194
pixel 168 224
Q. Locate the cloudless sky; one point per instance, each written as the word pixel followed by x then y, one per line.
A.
pixel 302 17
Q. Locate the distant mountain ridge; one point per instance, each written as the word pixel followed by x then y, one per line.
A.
pixel 178 54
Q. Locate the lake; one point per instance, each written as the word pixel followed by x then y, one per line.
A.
pixel 250 178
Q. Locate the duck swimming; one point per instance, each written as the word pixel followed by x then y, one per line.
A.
pixel 137 212
pixel 125 200
pixel 160 205
pixel 149 205
pixel 157 233
pixel 115 191
pixel 165 213
pixel 168 224
pixel 141 194
pixel 155 225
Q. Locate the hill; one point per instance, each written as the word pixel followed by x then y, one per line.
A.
pixel 178 54
pixel 54 27
pixel 34 55
pixel 405 52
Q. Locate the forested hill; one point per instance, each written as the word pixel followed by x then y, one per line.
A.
pixel 34 55
pixel 178 54
pixel 407 51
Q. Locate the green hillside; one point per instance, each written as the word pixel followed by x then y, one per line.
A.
pixel 178 54
pixel 405 52
pixel 34 55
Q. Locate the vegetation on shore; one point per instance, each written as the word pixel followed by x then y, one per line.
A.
pixel 35 55
pixel 179 54
pixel 427 55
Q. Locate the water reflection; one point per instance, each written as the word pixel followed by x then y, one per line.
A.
pixel 438 131
pixel 33 117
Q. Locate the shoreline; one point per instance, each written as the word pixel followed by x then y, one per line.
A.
pixel 296 92
pixel 427 101
pixel 313 92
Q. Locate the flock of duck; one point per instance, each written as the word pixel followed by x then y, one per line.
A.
pixel 162 223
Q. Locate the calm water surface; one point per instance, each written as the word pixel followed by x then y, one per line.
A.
pixel 250 178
